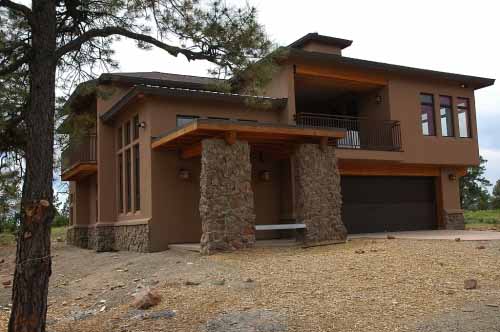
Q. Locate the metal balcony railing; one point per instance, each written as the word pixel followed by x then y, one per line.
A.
pixel 362 133
pixel 80 150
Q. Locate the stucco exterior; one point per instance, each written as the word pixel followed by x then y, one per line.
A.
pixel 169 185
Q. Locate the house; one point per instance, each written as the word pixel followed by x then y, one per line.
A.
pixel 336 145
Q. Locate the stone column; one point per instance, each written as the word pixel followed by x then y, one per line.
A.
pixel 317 193
pixel 226 196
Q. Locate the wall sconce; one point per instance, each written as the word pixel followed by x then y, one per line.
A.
pixel 378 99
pixel 141 124
pixel 463 85
pixel 184 174
pixel 265 176
pixel 452 177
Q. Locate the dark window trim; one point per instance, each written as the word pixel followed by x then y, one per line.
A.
pixel 467 109
pixel 137 177
pixel 433 112
pixel 450 106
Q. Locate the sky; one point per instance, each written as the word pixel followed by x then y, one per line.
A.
pixel 447 35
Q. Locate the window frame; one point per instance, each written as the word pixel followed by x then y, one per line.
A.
pixel 128 178
pixel 467 110
pixel 451 118
pixel 433 113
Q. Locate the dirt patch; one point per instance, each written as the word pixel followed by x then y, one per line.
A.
pixel 394 285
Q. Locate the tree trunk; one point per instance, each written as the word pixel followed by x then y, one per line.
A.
pixel 33 261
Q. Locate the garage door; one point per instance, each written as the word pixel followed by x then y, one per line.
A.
pixel 386 203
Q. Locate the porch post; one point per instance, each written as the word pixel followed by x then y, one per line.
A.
pixel 317 193
pixel 226 196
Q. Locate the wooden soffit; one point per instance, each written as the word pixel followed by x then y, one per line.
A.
pixel 79 171
pixel 260 136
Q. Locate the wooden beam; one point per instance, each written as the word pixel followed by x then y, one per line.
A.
pixel 191 151
pixel 230 137
pixel 336 74
pixel 382 169
pixel 176 134
pixel 79 171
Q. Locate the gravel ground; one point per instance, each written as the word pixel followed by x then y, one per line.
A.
pixel 364 285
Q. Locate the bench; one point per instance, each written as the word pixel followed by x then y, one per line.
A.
pixel 279 227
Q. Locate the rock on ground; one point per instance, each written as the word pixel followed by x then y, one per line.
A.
pixel 247 321
pixel 146 299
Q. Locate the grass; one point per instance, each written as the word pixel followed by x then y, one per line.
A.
pixel 482 219
pixel 7 239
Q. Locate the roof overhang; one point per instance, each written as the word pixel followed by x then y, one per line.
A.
pixel 263 137
pixel 326 59
pixel 266 103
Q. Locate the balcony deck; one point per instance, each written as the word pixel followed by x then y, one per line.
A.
pixel 361 133
pixel 79 159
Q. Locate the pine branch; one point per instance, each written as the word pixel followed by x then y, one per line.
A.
pixel 11 68
pixel 17 7
pixel 75 44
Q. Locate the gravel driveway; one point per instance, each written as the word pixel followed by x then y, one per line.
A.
pixel 364 285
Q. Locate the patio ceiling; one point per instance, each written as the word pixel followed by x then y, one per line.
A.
pixel 262 137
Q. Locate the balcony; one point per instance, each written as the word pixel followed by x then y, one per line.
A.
pixel 362 133
pixel 79 159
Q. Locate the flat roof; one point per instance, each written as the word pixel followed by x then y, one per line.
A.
pixel 259 135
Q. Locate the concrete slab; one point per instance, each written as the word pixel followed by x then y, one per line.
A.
pixel 258 244
pixel 433 235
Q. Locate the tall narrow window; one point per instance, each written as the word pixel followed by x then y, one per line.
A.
pixel 128 180
pixel 120 137
pixel 127 133
pixel 427 114
pixel 446 116
pixel 137 182
pixel 463 110
pixel 120 177
pixel 136 127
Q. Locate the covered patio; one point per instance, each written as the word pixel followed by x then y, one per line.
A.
pixel 227 197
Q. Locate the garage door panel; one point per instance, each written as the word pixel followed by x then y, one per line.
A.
pixel 378 204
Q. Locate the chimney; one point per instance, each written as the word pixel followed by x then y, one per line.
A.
pixel 314 42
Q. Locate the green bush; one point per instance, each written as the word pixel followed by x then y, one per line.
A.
pixel 491 217
pixel 60 221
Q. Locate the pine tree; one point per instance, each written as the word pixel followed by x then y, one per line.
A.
pixel 73 38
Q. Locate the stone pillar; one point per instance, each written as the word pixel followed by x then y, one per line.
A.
pixel 453 219
pixel 226 196
pixel 317 193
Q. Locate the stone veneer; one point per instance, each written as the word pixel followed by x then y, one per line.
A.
pixel 226 196
pixel 317 193
pixel 110 238
pixel 454 219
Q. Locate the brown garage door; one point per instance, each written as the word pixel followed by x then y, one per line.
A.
pixel 386 203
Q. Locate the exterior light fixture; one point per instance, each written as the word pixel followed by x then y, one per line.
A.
pixel 452 177
pixel 184 174
pixel 463 85
pixel 265 176
pixel 141 124
pixel 378 99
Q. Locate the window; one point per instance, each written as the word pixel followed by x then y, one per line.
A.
pixel 128 155
pixel 137 183
pixel 120 138
pixel 120 177
pixel 127 133
pixel 183 120
pixel 427 114
pixel 446 114
pixel 136 127
pixel 463 111
pixel 128 180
